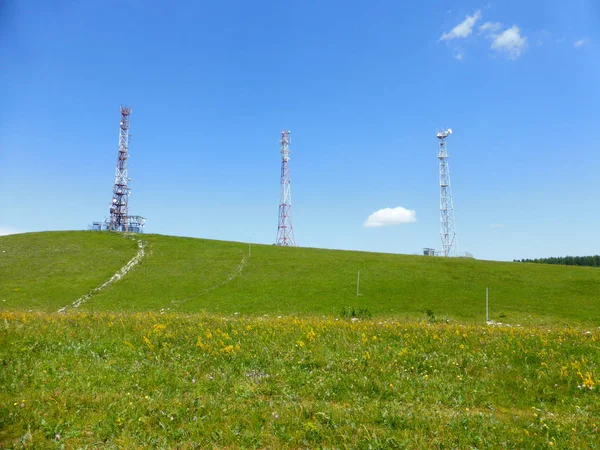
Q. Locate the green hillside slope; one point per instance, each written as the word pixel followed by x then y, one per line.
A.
pixel 44 271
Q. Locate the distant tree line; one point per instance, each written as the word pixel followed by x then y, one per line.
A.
pixel 592 261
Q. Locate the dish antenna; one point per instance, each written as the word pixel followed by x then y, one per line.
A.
pixel 444 134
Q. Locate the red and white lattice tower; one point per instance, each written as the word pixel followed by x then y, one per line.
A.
pixel 285 231
pixel 120 194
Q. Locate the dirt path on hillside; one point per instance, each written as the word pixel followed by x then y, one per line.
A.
pixel 116 277
pixel 230 278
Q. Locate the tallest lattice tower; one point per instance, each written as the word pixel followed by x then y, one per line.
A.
pixel 119 207
pixel 285 230
pixel 447 224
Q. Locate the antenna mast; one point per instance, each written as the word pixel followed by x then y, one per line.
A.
pixel 447 224
pixel 285 231
pixel 120 194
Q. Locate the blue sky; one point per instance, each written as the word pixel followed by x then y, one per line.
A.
pixel 363 86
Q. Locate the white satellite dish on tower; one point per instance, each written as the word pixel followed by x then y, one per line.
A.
pixel 449 130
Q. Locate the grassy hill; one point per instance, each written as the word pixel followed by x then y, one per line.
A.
pixel 46 271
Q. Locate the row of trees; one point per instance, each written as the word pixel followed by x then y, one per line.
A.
pixel 593 261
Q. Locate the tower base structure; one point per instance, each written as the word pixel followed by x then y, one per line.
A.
pixel 133 224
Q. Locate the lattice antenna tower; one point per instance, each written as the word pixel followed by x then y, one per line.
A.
pixel 119 209
pixel 447 223
pixel 285 230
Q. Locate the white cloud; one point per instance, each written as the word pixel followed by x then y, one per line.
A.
pixel 390 216
pixel 581 42
pixel 463 29
pixel 510 41
pixel 490 27
pixel 7 230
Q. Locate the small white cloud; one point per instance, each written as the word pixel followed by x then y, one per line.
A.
pixel 581 42
pixel 510 41
pixel 4 231
pixel 496 226
pixel 490 27
pixel 391 216
pixel 463 29
pixel 459 56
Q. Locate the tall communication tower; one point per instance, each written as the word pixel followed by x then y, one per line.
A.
pixel 447 224
pixel 120 195
pixel 285 231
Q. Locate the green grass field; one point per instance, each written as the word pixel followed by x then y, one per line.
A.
pixel 45 271
pixel 200 345
pixel 154 380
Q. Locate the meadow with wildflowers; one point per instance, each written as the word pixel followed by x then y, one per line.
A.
pixel 173 380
